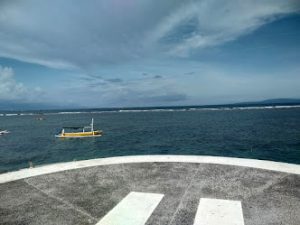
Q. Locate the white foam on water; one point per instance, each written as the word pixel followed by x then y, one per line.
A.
pixel 231 108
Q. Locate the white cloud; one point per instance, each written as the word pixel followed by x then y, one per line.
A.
pixel 216 84
pixel 62 34
pixel 10 89
pixel 216 22
pixel 96 91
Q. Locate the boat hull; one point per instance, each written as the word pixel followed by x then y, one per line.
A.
pixel 97 133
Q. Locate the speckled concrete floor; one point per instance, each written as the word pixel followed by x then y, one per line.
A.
pixel 84 196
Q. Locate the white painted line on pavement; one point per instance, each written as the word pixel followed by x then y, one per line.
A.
pixel 218 211
pixel 59 167
pixel 134 209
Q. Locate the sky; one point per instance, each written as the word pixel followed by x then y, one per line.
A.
pixel 128 53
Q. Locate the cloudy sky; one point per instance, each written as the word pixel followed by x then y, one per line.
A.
pixel 101 53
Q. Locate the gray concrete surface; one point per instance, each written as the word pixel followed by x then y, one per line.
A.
pixel 84 196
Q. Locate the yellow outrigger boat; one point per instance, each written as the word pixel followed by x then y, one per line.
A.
pixel 81 134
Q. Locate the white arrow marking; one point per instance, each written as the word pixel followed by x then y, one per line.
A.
pixel 134 209
pixel 217 212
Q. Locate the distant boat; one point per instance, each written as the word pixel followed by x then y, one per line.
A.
pixel 80 134
pixel 4 132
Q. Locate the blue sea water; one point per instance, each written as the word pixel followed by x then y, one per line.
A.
pixel 270 133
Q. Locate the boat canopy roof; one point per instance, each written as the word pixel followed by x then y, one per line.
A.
pixel 73 128
pixel 80 127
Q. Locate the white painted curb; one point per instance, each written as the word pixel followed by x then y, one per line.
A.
pixel 58 167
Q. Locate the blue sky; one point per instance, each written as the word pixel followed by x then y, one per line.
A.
pixel 148 52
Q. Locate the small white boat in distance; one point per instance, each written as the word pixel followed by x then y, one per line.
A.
pixel 80 134
pixel 4 132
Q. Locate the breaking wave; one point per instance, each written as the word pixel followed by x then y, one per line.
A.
pixel 183 109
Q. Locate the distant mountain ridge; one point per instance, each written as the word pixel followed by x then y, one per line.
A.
pixel 272 101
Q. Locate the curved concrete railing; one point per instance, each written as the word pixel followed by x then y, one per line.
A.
pixel 58 167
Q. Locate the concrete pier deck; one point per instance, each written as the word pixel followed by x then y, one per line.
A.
pixel 136 190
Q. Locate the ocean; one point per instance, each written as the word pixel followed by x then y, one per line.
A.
pixel 257 132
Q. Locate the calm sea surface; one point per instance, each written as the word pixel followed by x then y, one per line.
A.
pixel 272 134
